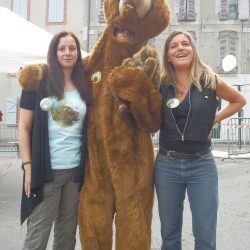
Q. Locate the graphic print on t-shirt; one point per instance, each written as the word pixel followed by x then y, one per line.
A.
pixel 63 114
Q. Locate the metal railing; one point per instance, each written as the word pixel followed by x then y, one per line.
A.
pixel 8 138
pixel 238 136
pixel 232 138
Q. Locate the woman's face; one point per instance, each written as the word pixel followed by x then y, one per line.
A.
pixel 67 52
pixel 180 52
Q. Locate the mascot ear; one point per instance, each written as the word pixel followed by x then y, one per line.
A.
pixel 31 75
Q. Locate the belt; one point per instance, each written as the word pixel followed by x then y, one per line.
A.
pixel 173 155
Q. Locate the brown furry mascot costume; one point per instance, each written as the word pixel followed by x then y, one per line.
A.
pixel 119 170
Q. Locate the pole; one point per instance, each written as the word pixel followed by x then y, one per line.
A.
pixel 88 25
pixel 239 118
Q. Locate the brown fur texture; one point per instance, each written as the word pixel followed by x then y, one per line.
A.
pixel 119 169
pixel 147 60
pixel 31 75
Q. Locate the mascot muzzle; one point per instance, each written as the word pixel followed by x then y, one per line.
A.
pixel 142 7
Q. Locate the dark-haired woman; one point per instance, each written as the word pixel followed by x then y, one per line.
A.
pixel 52 138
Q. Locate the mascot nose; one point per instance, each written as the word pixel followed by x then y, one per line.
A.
pixel 142 6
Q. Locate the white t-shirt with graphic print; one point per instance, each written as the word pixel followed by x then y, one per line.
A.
pixel 65 124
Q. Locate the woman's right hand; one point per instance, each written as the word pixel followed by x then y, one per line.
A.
pixel 27 179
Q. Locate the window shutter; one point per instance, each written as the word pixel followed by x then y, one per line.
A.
pixel 191 10
pixel 11 111
pixel 20 7
pixel 101 12
pixel 56 11
pixel 232 46
pixel 223 41
pixel 228 46
pixel 182 15
pixel 224 10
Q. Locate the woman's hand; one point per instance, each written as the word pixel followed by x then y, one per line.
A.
pixel 27 179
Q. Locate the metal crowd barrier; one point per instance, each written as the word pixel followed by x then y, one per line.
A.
pixel 238 136
pixel 231 138
pixel 9 138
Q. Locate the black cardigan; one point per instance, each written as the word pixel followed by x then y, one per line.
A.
pixel 40 155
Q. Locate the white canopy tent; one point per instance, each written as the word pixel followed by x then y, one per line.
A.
pixel 21 42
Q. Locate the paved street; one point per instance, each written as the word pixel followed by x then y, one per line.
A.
pixel 233 219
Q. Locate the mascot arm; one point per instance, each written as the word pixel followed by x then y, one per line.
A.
pixel 134 87
pixel 31 75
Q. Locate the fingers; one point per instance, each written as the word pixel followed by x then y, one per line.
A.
pixel 27 185
pixel 27 181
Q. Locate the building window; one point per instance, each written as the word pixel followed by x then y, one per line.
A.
pixel 12 116
pixel 228 41
pixel 21 8
pixel 186 10
pixel 100 12
pixel 56 11
pixel 229 9
pixel 152 42
pixel 192 33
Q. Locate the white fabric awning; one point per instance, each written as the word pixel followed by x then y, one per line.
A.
pixel 21 42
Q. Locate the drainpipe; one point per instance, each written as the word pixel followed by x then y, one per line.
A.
pixel 88 24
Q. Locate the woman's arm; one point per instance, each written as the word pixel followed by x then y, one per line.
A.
pixel 25 125
pixel 235 101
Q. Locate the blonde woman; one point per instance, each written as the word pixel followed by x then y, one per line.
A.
pixel 190 90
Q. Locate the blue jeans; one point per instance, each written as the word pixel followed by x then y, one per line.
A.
pixel 172 179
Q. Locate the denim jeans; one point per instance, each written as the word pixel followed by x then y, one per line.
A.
pixel 199 178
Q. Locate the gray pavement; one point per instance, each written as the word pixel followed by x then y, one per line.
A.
pixel 233 218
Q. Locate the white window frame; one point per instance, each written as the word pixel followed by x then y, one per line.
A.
pixel 20 7
pixel 56 11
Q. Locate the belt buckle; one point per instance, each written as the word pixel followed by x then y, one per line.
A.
pixel 171 155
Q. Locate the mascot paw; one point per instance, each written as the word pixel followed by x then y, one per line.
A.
pixel 147 60
pixel 31 75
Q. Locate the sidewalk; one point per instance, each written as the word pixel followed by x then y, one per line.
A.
pixel 233 218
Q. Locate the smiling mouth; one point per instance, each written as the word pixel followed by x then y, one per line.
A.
pixel 181 56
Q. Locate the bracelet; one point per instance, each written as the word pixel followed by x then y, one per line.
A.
pixel 27 162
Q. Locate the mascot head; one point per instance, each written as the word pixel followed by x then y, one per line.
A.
pixel 141 19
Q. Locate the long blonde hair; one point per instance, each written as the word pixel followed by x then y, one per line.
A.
pixel 198 68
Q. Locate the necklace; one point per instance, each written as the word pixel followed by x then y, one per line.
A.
pixel 189 110
pixel 179 93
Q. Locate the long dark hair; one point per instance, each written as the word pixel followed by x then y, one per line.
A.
pixel 55 76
